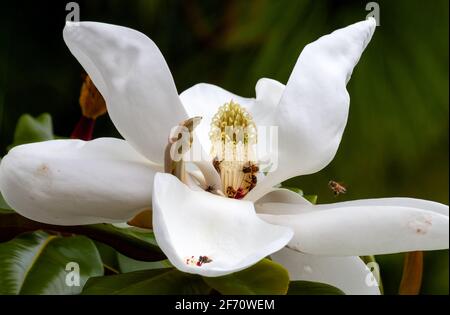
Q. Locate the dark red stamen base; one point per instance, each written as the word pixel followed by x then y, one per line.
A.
pixel 240 193
pixel 84 129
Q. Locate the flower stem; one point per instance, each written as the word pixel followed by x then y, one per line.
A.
pixel 412 274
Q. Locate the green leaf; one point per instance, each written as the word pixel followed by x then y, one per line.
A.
pixel 312 288
pixel 35 263
pixel 157 281
pixel 118 263
pixel 311 198
pixel 133 236
pixel 3 204
pixel 294 189
pixel 130 232
pixel 133 242
pixel 265 277
pixel 128 264
pixel 30 129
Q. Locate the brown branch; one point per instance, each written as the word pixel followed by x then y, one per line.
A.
pixel 412 274
pixel 12 224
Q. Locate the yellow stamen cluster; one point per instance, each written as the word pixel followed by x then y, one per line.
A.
pixel 232 132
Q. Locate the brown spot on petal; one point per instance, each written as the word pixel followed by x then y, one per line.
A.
pixel 421 225
pixel 43 170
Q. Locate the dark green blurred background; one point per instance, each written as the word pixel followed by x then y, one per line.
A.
pixel 396 141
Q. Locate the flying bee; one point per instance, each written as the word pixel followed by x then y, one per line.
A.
pixel 250 168
pixel 337 188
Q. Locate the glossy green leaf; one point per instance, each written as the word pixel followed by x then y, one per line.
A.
pixel 30 129
pixel 265 277
pixel 311 198
pixel 130 232
pixel 136 237
pixel 40 263
pixel 294 189
pixel 115 262
pixel 312 288
pixel 133 242
pixel 157 281
pixel 3 204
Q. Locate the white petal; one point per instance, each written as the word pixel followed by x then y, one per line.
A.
pixel 198 223
pixel 212 178
pixel 396 201
pixel 73 182
pixel 370 228
pixel 282 201
pixel 313 109
pixel 204 100
pixel 268 95
pixel 348 274
pixel 133 77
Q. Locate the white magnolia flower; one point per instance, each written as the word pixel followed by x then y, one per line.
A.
pixel 71 182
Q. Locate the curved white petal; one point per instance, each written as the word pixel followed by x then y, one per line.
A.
pixel 287 202
pixel 189 224
pixel 73 182
pixel 204 100
pixel 282 201
pixel 348 274
pixel 212 178
pixel 268 96
pixel 133 77
pixel 313 109
pixel 395 201
pixel 372 228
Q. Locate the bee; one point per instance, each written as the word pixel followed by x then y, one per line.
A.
pixel 231 192
pixel 250 168
pixel 216 164
pixel 337 188
pixel 203 260
pixel 252 182
pixel 210 188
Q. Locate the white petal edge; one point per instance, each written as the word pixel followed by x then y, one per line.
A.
pixel 313 109
pixel 349 274
pixel 191 223
pixel 74 182
pixel 282 202
pixel 394 201
pixel 359 230
pixel 133 77
pixel 205 99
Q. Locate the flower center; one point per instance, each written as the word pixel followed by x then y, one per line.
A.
pixel 233 135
